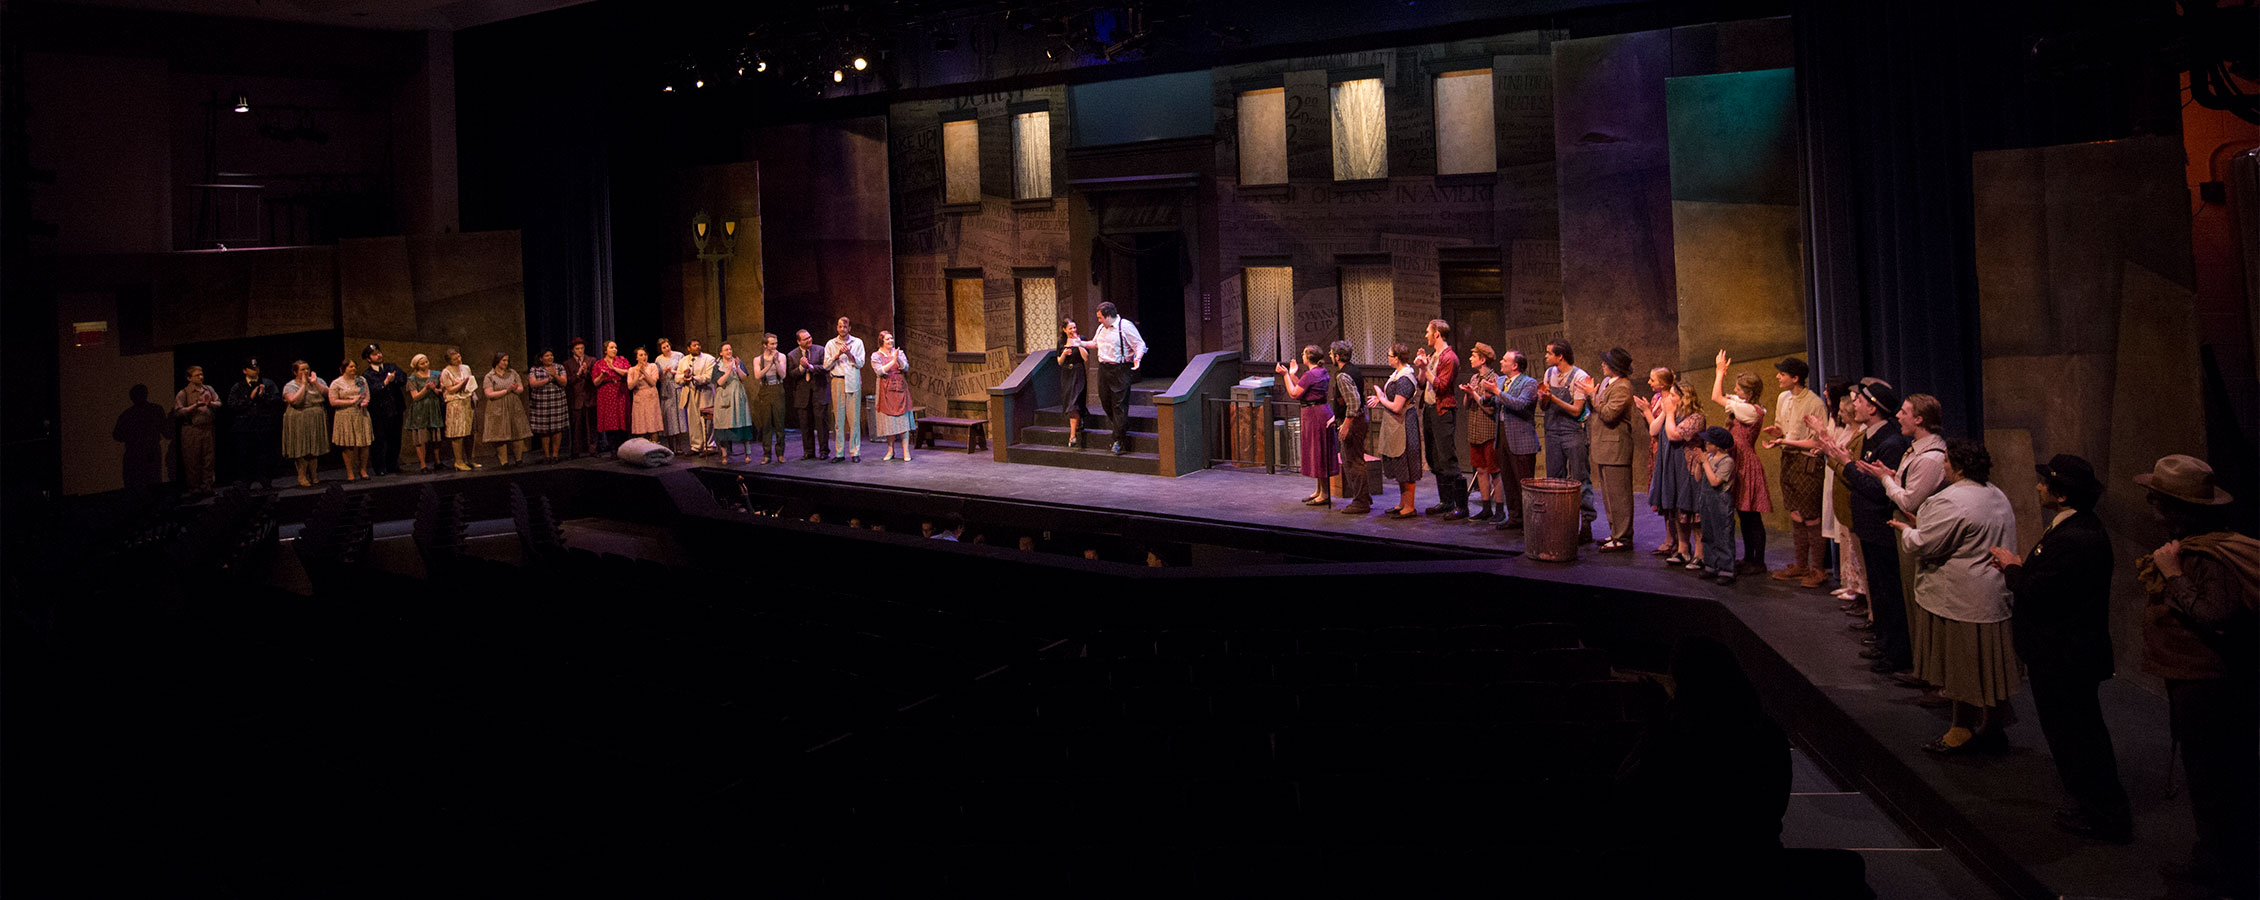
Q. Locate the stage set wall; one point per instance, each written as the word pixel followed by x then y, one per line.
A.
pixel 825 239
pixel 995 234
pixel 166 311
pixel 2087 280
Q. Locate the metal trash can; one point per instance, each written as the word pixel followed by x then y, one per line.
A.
pixel 1550 518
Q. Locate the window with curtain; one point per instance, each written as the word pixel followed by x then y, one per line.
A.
pixel 1361 140
pixel 961 161
pixel 1269 294
pixel 1039 314
pixel 1032 156
pixel 1263 136
pixel 968 321
pixel 1369 312
pixel 1466 141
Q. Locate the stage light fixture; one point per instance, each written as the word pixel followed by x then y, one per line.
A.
pixel 699 83
pixel 860 64
pixel 668 89
pixel 761 65
pixel 242 103
pixel 838 76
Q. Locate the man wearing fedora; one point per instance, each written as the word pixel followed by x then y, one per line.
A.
pixel 2062 593
pixel 2199 635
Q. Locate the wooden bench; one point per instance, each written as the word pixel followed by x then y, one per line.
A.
pixel 976 431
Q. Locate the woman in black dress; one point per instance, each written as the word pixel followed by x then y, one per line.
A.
pixel 1074 369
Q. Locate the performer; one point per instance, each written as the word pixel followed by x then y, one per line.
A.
pixel 1676 483
pixel 1615 422
pixel 1802 472
pixel 1343 404
pixel 769 408
pixel 843 360
pixel 1567 395
pixel 426 418
pixel 1717 491
pixel 349 418
pixel 580 392
pixel 1399 445
pixel 388 401
pixel 1482 426
pixel 1320 459
pixel 1121 349
pixel 1074 382
pixel 2198 635
pixel 546 412
pixel 1872 509
pixel 254 418
pixel 1439 369
pixel 733 410
pixel 2062 597
pixel 1842 427
pixel 896 420
pixel 1920 473
pixel 694 388
pixel 674 421
pixel 1751 501
pixel 306 425
pixel 192 408
pixel 610 375
pixel 460 389
pixel 644 420
pixel 1518 429
pixel 506 422
pixel 811 393
pixel 1962 630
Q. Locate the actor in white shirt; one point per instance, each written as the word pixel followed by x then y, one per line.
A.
pixel 843 360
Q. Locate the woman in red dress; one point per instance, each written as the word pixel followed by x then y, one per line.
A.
pixel 1745 419
pixel 611 377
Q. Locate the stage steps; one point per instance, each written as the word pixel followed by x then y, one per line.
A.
pixel 1045 443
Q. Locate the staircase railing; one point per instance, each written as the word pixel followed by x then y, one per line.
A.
pixel 1013 402
pixel 1180 411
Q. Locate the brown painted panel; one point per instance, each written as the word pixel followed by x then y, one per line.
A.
pixel 376 294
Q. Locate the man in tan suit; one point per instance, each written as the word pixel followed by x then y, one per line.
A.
pixel 1613 424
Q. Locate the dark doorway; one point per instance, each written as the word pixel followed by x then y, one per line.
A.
pixel 1146 280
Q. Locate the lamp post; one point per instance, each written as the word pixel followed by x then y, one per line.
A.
pixel 717 252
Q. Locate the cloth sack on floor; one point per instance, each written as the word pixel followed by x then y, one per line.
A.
pixel 640 452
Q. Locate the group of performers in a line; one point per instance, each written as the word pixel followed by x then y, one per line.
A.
pixel 691 402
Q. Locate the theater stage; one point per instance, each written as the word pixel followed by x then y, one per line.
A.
pixel 1927 826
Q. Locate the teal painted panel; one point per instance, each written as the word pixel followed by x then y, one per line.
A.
pixel 1733 137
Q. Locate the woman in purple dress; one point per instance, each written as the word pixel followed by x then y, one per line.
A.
pixel 1307 383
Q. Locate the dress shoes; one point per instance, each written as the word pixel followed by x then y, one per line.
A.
pixel 1871 653
pixel 1908 679
pixel 1750 568
pixel 1993 743
pixel 1789 573
pixel 2073 821
pixel 1880 666
pixel 1118 451
pixel 1356 509
pixel 1868 641
pixel 1813 578
pixel 1933 700
pixel 1508 525
pixel 1862 625
pixel 1455 514
pixel 1439 509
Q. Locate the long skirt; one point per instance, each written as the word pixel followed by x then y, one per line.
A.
pixel 1971 662
pixel 1322 448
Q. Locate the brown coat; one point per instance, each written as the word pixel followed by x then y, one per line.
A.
pixel 1613 423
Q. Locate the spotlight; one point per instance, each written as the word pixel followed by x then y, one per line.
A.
pixel 761 65
pixel 838 76
pixel 242 103
pixel 668 89
pixel 860 64
pixel 699 83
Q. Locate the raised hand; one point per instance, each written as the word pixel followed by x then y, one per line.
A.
pixel 1724 361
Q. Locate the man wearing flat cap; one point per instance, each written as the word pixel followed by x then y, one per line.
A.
pixel 2199 635
pixel 2063 603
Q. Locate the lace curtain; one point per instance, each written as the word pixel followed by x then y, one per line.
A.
pixel 1361 140
pixel 1466 140
pixel 1271 313
pixel 1369 312
pixel 1032 155
pixel 961 162
pixel 1039 314
pixel 1263 136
